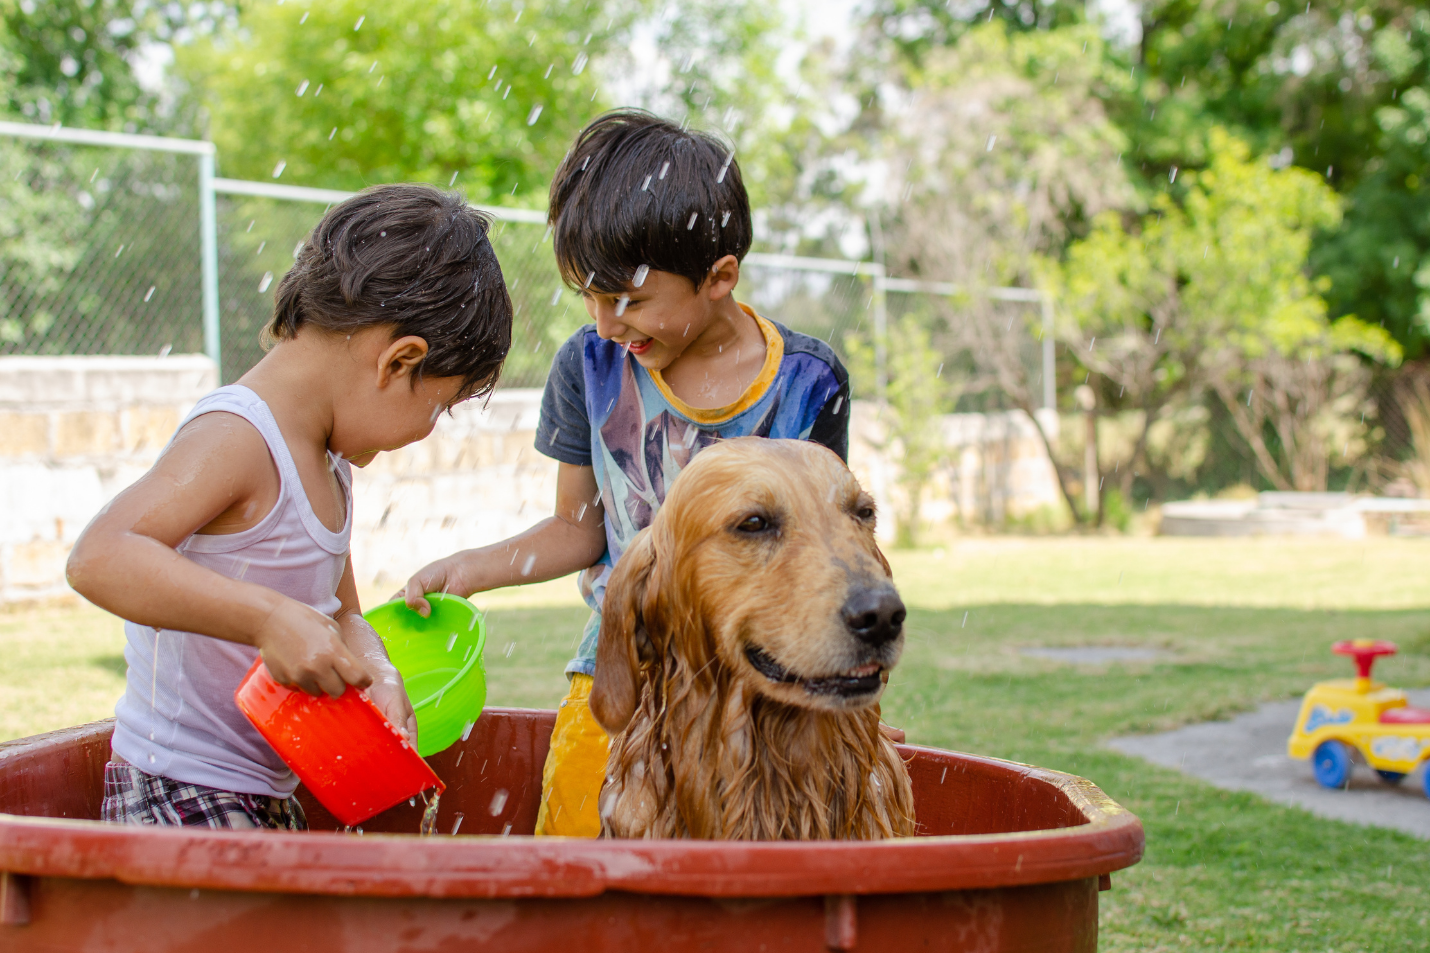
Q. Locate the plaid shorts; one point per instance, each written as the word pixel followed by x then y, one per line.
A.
pixel 133 797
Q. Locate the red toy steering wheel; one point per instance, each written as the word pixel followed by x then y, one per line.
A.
pixel 1365 652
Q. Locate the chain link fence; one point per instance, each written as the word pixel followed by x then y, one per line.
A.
pixel 98 250
pixel 102 251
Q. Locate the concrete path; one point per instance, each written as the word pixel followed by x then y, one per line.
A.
pixel 1248 753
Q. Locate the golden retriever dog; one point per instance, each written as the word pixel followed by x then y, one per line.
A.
pixel 746 638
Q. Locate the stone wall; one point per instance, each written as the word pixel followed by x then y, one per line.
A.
pixel 995 469
pixel 77 430
pixel 74 431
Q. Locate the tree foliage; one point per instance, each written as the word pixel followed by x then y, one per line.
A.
pixel 917 394
pixel 73 61
pixel 1210 291
pixel 345 94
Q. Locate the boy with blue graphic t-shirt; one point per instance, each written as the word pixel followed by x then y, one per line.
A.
pixel 651 222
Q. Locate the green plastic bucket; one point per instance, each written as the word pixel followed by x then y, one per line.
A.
pixel 440 658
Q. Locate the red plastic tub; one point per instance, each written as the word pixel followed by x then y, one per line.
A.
pixel 1012 858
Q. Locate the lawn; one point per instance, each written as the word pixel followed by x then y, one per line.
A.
pixel 1240 623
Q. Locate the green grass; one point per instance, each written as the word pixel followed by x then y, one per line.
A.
pixel 1241 623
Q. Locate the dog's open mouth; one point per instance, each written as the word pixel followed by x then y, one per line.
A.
pixel 863 680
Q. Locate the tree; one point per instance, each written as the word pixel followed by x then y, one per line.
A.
pixel 1319 85
pixel 72 61
pixel 1210 290
pixel 487 95
pixel 1379 261
pixel 1000 155
pixel 918 394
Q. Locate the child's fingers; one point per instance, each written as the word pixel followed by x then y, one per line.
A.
pixel 416 596
pixel 328 680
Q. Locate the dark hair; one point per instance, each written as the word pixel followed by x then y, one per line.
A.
pixel 638 190
pixel 413 257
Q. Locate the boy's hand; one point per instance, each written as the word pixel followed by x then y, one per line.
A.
pixel 441 576
pixel 389 694
pixel 303 648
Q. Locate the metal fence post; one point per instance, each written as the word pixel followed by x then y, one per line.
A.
pixel 1050 371
pixel 881 334
pixel 208 243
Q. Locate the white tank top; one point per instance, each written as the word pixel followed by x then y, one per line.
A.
pixel 177 717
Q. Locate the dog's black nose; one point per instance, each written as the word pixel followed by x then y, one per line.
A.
pixel 875 615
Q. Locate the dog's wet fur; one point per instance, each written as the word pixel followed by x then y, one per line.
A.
pixel 746 637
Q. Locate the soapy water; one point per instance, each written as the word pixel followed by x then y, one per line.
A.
pixel 429 816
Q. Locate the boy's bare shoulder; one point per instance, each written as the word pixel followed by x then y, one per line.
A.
pixel 219 441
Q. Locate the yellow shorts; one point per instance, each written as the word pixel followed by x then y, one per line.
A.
pixel 575 768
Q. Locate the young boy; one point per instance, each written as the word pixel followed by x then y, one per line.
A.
pixel 235 544
pixel 651 222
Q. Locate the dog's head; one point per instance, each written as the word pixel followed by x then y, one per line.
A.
pixel 762 561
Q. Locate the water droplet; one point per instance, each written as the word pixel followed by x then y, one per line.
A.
pixel 498 802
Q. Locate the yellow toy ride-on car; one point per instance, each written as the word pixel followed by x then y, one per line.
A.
pixel 1345 715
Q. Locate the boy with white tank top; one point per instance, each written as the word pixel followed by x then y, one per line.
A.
pixel 235 544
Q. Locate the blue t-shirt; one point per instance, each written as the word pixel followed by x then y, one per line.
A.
pixel 601 409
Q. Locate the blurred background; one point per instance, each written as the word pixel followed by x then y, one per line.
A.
pixel 1213 211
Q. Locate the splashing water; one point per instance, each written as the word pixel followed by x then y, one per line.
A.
pixel 429 816
pixel 457 823
pixel 498 802
pixel 621 304
pixel 641 273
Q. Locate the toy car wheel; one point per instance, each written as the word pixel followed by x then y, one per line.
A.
pixel 1331 763
pixel 1391 777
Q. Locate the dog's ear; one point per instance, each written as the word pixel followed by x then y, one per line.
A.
pixel 624 618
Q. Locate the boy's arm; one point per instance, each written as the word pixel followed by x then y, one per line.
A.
pixel 387 690
pixel 571 540
pixel 218 466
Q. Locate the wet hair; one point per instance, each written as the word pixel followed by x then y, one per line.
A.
pixel 414 258
pixel 638 190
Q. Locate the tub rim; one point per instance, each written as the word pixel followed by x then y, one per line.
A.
pixel 495 867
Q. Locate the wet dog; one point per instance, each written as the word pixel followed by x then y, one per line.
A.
pixel 746 638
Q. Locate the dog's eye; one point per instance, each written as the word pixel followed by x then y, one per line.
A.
pixel 865 512
pixel 753 524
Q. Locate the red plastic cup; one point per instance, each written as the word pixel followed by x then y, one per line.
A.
pixel 353 760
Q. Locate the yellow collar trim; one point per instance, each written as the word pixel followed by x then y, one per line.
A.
pixel 774 354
